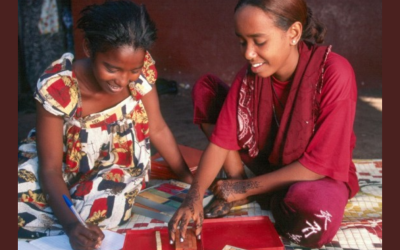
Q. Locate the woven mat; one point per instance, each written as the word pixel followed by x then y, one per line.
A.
pixel 361 228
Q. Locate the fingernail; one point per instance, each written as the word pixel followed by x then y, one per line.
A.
pixel 171 242
pixel 199 237
pixel 182 239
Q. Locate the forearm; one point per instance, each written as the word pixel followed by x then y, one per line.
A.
pixel 53 187
pixel 192 206
pixel 279 179
pixel 210 164
pixel 165 143
pixel 50 153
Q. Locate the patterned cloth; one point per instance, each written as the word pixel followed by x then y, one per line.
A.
pixel 361 227
pixel 106 154
pixel 48 22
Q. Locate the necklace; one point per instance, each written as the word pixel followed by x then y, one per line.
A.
pixel 273 105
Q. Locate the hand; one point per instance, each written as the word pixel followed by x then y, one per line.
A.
pixel 233 190
pixel 218 208
pixel 82 238
pixel 191 208
pixel 228 190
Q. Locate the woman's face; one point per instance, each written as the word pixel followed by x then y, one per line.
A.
pixel 269 49
pixel 117 67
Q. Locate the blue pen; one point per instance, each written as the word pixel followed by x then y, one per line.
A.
pixel 71 206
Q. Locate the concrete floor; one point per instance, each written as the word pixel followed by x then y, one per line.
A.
pixel 177 111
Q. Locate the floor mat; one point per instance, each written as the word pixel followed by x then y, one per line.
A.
pixel 361 228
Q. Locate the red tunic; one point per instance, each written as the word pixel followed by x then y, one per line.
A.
pixel 329 151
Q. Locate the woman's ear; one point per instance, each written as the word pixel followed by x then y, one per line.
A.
pixel 86 48
pixel 295 32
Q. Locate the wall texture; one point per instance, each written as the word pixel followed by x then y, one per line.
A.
pixel 197 37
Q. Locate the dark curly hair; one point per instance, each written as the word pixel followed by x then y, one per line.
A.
pixel 287 12
pixel 116 23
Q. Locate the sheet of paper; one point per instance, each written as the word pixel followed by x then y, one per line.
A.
pixel 23 245
pixel 112 241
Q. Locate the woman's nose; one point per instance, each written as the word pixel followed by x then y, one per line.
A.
pixel 124 78
pixel 249 53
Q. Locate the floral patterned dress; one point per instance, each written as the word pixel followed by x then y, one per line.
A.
pixel 106 154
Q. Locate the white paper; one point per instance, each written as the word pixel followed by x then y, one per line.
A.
pixel 111 241
pixel 23 245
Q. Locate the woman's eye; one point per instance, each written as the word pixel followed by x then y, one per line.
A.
pixel 260 43
pixel 136 71
pixel 111 70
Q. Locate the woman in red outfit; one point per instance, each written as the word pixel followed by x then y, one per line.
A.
pixel 288 116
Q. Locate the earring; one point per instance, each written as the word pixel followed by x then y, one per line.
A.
pixel 294 42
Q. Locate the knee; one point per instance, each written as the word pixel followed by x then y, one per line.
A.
pixel 208 96
pixel 205 84
pixel 311 228
pixel 311 213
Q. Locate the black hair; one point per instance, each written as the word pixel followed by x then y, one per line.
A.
pixel 287 12
pixel 117 23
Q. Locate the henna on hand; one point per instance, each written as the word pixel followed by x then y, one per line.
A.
pixel 201 219
pixel 237 187
pixel 192 197
pixel 218 208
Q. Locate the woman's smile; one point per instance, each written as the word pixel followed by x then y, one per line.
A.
pixel 256 67
pixel 115 87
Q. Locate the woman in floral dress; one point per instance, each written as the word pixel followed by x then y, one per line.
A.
pixel 95 119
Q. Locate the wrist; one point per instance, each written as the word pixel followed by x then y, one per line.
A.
pixel 246 188
pixel 69 227
pixel 195 193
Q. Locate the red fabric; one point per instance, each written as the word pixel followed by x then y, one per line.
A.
pixel 305 213
pixel 225 131
pixel 282 90
pixel 248 113
pixel 327 139
pixel 297 123
pixel 330 151
pixel 60 92
pixel 213 93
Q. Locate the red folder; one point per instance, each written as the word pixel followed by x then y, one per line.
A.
pixel 251 233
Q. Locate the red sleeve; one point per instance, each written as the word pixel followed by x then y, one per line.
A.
pixel 225 131
pixel 329 152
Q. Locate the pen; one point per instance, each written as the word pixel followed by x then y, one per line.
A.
pixel 69 204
